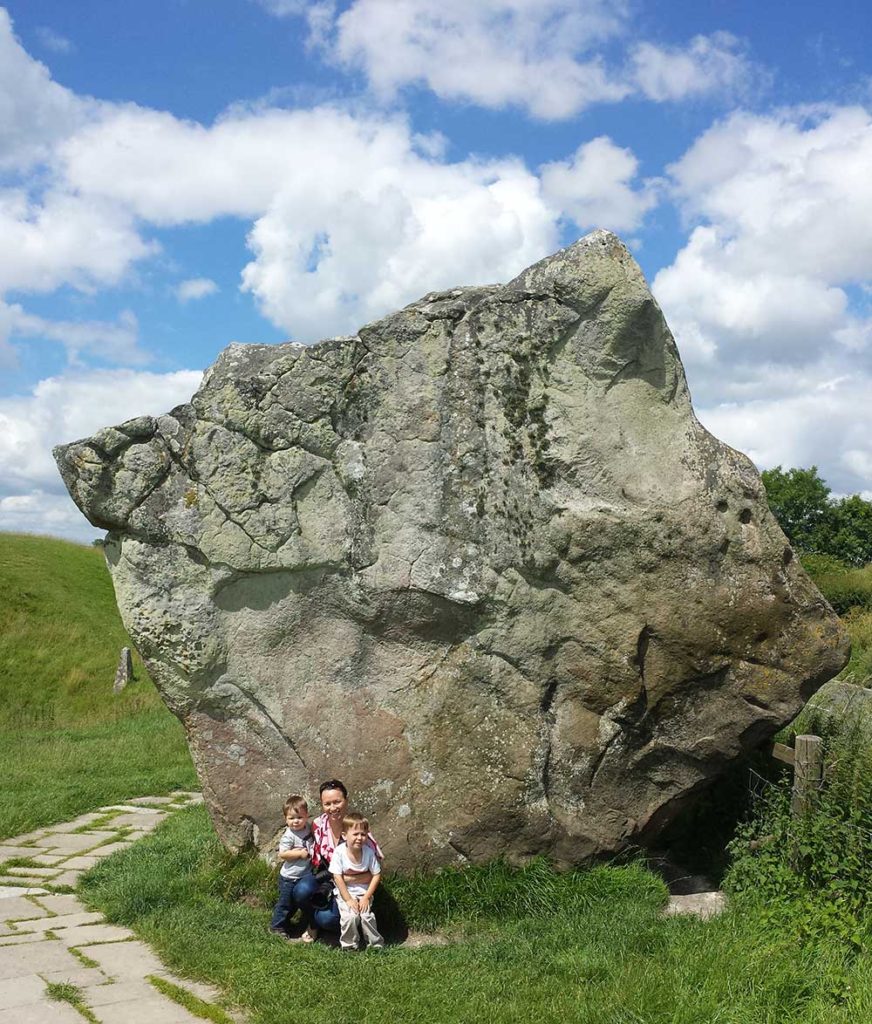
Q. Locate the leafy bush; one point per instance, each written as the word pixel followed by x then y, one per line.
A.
pixel 812 874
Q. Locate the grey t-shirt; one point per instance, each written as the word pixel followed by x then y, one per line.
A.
pixel 293 840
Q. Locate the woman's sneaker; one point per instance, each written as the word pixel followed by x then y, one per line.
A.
pixel 309 935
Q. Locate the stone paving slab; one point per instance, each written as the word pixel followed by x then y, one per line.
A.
pixel 156 801
pixel 33 872
pixel 81 862
pixel 21 938
pixel 68 878
pixel 158 1009
pixel 17 908
pixel 81 976
pixel 37 958
pixel 47 859
pixel 8 852
pixel 74 842
pixel 144 818
pixel 21 991
pixel 87 934
pixel 61 904
pixel 109 849
pixel 11 892
pixel 699 904
pixel 126 960
pixel 71 826
pixel 119 992
pixel 25 881
pixel 60 921
pixel 48 1012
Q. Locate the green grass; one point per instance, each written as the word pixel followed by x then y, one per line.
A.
pixel 63 992
pixel 67 745
pixel 585 948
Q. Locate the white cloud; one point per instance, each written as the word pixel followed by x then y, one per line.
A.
pixel 62 409
pixel 595 188
pixel 195 288
pixel 34 111
pixel 826 426
pixel 715 63
pixel 545 56
pixel 762 298
pixel 80 240
pixel 785 202
pixel 54 41
pixel 370 219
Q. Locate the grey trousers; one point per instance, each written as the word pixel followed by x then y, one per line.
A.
pixel 352 923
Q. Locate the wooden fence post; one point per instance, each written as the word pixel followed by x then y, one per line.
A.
pixel 808 772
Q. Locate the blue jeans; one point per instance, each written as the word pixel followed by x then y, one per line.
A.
pixel 327 918
pixel 295 894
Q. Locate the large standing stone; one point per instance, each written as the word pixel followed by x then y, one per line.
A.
pixel 479 560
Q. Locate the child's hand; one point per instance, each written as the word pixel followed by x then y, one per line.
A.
pixel 364 902
pixel 354 904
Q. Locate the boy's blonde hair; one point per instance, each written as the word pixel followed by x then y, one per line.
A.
pixel 294 803
pixel 355 818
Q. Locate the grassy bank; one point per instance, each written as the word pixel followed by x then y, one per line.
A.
pixel 67 744
pixel 586 948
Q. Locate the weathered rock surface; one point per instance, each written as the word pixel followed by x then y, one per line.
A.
pixel 480 561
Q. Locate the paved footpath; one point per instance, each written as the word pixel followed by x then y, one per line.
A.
pixel 50 938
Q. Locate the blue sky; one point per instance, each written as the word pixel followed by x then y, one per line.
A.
pixel 185 173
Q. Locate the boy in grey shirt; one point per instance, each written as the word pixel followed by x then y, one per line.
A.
pixel 297 885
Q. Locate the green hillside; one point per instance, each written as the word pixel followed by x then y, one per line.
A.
pixel 67 744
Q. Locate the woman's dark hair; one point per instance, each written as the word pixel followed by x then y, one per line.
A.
pixel 333 784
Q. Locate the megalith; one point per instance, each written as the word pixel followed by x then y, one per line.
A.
pixel 479 560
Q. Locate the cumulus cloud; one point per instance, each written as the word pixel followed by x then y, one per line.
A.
pixel 763 297
pixel 545 56
pixel 35 112
pixel 827 424
pixel 707 64
pixel 195 288
pixel 372 218
pixel 62 409
pixel 594 188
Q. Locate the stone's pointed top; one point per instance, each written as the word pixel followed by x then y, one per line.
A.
pixel 479 560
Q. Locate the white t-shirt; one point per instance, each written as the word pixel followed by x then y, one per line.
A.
pixel 293 840
pixel 342 863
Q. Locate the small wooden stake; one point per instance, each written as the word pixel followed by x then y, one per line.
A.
pixel 808 772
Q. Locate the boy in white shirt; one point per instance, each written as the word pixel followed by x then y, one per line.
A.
pixel 357 872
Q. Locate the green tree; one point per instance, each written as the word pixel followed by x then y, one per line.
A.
pixel 800 501
pixel 849 530
pixel 814 522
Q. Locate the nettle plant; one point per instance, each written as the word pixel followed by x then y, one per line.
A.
pixel 812 873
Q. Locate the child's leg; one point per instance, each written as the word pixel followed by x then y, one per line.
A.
pixel 349 925
pixel 284 906
pixel 305 892
pixel 368 926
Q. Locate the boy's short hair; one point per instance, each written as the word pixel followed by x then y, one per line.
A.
pixel 294 803
pixel 354 818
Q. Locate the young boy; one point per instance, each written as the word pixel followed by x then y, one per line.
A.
pixel 357 872
pixel 297 885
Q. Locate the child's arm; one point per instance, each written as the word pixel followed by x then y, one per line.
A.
pixel 344 893
pixel 365 900
pixel 295 853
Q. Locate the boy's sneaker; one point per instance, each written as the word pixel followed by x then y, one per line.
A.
pixel 280 933
pixel 309 935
